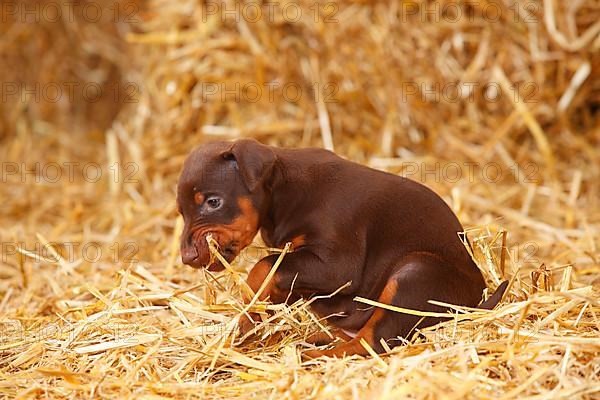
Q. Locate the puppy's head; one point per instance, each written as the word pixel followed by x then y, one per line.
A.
pixel 221 189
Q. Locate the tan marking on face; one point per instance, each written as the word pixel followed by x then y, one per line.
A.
pixel 199 198
pixel 247 223
pixel 241 231
pixel 243 228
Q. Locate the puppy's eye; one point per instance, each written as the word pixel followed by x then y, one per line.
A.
pixel 214 203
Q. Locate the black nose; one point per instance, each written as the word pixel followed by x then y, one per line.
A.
pixel 188 254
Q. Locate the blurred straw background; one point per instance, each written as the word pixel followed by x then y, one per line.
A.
pixel 493 104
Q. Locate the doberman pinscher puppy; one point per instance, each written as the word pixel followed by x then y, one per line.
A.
pixel 387 237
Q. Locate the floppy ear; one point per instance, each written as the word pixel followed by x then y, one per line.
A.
pixel 255 161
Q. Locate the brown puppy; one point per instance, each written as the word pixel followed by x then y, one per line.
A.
pixel 392 239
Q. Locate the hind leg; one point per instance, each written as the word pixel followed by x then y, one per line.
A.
pixel 420 277
pixel 321 338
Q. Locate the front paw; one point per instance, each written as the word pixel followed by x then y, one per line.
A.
pixel 312 354
pixel 247 324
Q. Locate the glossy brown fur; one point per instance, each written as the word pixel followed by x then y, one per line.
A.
pixel 389 238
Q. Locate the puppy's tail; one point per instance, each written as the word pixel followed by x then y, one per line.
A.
pixel 494 298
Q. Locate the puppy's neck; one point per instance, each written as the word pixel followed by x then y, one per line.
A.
pixel 287 187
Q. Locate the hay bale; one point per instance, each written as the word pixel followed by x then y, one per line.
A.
pixel 64 66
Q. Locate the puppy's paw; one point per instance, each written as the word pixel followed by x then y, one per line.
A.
pixel 311 354
pixel 246 324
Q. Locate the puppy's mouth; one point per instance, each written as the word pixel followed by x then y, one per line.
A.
pixel 229 253
pixel 197 254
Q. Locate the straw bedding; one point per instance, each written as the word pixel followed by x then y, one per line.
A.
pixel 94 301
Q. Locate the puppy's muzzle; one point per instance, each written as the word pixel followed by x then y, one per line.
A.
pixel 195 251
